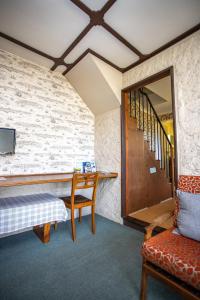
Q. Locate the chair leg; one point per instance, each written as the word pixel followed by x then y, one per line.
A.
pixel 73 225
pixel 80 215
pixel 55 225
pixel 143 289
pixel 93 219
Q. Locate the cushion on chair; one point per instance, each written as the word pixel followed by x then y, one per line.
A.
pixel 77 199
pixel 176 254
pixel 188 219
pixel 189 184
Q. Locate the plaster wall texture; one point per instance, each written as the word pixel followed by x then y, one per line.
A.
pixel 55 128
pixel 185 58
pixel 113 78
pixel 108 158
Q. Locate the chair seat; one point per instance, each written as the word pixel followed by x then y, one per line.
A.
pixel 78 199
pixel 178 255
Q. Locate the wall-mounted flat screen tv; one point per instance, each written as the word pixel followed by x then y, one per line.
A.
pixel 7 141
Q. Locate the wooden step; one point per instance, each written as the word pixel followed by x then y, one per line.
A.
pixel 144 187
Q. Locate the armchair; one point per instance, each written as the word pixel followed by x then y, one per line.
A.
pixel 172 258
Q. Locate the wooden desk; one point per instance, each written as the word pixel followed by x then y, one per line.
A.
pixel 30 179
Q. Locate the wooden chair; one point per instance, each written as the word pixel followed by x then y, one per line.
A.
pixel 76 201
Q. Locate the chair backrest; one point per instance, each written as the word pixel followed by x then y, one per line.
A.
pixel 189 184
pixel 84 181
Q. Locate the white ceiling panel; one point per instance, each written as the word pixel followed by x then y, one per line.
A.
pixel 148 24
pixel 50 25
pixel 101 41
pixel 22 52
pixel 94 5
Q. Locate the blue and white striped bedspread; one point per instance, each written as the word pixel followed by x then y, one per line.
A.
pixel 17 213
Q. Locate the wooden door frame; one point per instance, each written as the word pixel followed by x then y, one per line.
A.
pixel 164 73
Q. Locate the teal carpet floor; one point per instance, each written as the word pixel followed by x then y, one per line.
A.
pixel 105 266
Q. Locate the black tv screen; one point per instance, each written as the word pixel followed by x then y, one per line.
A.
pixel 7 141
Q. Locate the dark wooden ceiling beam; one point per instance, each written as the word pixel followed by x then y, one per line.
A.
pixel 88 11
pixel 105 60
pixel 60 60
pixel 107 6
pixel 82 6
pixel 165 46
pixel 76 61
pixel 96 18
pixel 176 40
pixel 122 40
pixel 19 43
pixel 72 65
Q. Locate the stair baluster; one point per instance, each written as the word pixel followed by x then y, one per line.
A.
pixel 130 103
pixel 143 111
pixel 139 111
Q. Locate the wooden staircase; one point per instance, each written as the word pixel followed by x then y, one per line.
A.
pixel 148 121
pixel 149 156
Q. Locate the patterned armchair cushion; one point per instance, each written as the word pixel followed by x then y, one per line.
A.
pixel 178 255
pixel 189 184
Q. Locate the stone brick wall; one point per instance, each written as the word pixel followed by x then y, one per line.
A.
pixel 54 126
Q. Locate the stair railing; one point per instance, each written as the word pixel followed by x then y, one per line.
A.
pixel 143 111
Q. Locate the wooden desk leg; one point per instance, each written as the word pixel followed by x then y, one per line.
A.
pixel 55 225
pixel 43 232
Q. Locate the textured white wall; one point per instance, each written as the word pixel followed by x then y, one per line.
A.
pixel 113 78
pixel 185 58
pixel 93 85
pixel 108 158
pixel 54 126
